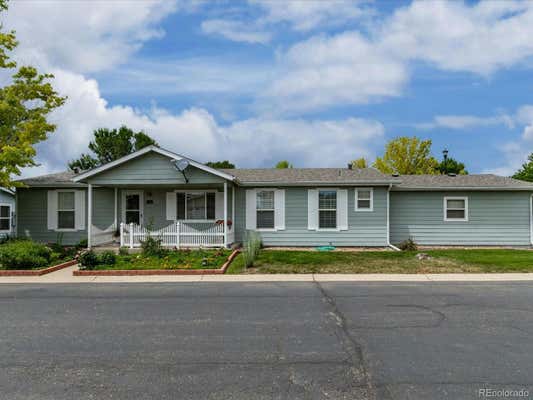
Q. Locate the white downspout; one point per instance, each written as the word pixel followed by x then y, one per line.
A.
pixel 388 220
pixel 225 214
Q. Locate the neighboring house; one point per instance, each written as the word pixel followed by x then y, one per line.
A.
pixel 7 212
pixel 185 203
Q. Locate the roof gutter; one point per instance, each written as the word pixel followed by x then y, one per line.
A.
pixel 388 220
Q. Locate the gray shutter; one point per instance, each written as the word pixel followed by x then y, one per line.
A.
pixel 312 209
pixel 52 210
pixel 79 209
pixel 251 209
pixel 171 206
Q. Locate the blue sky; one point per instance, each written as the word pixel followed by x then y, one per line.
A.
pixel 315 82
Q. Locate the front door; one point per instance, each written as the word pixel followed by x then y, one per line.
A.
pixel 133 207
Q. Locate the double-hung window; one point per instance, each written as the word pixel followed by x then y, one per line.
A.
pixel 265 209
pixel 66 210
pixel 364 199
pixel 5 217
pixel 455 209
pixel 327 209
pixel 195 205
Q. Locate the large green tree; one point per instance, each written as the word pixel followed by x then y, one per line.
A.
pixel 283 164
pixel 359 163
pixel 407 156
pixel 451 166
pixel 526 172
pixel 220 164
pixel 25 103
pixel 109 145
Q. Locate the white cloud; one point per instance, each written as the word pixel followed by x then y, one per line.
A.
pixel 196 133
pixel 236 30
pixel 84 36
pixel 304 15
pixel 461 122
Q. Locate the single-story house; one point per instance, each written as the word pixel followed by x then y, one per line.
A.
pixel 186 203
pixel 7 212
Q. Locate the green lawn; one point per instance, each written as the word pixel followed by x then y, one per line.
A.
pixel 178 259
pixel 442 261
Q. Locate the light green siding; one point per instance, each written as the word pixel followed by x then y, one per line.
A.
pixel 364 228
pixel 495 218
pixel 152 169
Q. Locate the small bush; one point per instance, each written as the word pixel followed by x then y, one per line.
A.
pixel 82 244
pixel 24 254
pixel 108 258
pixel 151 247
pixel 408 245
pixel 251 247
pixel 123 251
pixel 88 259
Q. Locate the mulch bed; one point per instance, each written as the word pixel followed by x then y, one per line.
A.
pixel 132 272
pixel 36 272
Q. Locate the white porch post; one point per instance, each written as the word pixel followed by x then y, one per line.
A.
pixel 89 215
pixel 116 208
pixel 225 214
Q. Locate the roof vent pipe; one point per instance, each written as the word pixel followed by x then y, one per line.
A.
pixel 350 166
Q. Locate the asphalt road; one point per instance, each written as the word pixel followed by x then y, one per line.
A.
pixel 265 341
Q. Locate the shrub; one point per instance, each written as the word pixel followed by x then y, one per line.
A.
pixel 88 259
pixel 251 247
pixel 108 258
pixel 82 244
pixel 151 247
pixel 24 254
pixel 408 245
pixel 123 251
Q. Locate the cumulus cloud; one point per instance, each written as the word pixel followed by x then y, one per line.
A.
pixel 236 30
pixel 461 122
pixel 84 36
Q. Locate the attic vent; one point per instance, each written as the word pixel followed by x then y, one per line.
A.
pixel 452 174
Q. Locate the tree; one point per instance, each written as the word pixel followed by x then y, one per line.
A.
pixel 111 144
pixel 526 172
pixel 283 164
pixel 451 166
pixel 360 163
pixel 220 164
pixel 408 156
pixel 25 104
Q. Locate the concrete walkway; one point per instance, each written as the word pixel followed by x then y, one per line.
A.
pixel 65 276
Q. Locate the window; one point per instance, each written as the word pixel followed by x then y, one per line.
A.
pixel 5 217
pixel 66 210
pixel 195 205
pixel 265 209
pixel 456 209
pixel 327 209
pixel 364 199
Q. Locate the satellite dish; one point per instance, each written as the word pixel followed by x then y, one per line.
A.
pixel 181 165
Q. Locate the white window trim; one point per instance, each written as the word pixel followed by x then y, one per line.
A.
pixel 205 204
pixel 9 218
pixel 58 229
pixel 445 208
pixel 265 209
pixel 356 206
pixel 318 209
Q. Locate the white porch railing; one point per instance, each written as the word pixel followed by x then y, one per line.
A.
pixel 178 234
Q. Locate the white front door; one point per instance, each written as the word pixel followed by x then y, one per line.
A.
pixel 132 210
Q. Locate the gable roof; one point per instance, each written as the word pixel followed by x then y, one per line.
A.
pixel 53 180
pixel 6 190
pixel 461 182
pixel 310 176
pixel 145 150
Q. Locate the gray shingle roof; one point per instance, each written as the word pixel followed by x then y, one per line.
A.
pixel 57 179
pixel 480 181
pixel 302 176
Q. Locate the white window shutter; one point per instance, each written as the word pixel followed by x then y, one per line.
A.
pixel 251 209
pixel 342 209
pixel 312 209
pixel 279 209
pixel 52 210
pixel 171 206
pixel 79 210
pixel 219 205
